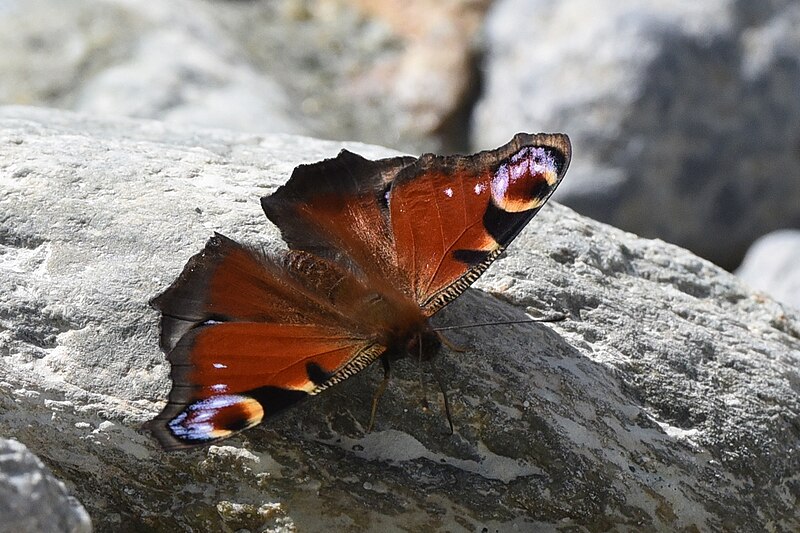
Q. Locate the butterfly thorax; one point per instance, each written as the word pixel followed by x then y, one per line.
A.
pixel 399 324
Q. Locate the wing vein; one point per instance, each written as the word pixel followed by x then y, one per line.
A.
pixel 306 358
pixel 444 255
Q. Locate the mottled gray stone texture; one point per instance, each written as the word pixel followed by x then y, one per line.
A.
pixel 31 499
pixel 772 265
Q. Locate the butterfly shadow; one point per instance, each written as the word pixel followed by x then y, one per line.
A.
pixel 536 403
pixel 505 380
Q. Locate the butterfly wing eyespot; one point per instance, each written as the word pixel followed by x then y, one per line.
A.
pixel 214 418
pixel 525 180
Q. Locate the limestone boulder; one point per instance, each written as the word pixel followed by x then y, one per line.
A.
pixel 667 400
pixel 686 113
pixel 31 499
pixel 771 265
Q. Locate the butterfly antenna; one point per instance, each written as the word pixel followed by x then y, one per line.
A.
pixel 456 348
pixel 554 318
pixel 378 393
pixel 450 344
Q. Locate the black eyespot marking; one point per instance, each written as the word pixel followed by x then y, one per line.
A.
pixel 317 374
pixel 237 424
pixel 471 257
pixel 540 190
pixel 503 225
pixel 559 159
pixel 276 399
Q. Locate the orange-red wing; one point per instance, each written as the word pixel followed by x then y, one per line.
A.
pixel 229 282
pixel 452 216
pixel 336 209
pixel 425 227
pixel 230 376
pixel 375 248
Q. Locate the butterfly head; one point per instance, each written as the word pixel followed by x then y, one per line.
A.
pixel 425 345
pixel 420 343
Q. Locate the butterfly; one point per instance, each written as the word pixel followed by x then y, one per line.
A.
pixel 375 248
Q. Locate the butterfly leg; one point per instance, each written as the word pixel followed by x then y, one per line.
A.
pixel 379 392
pixel 438 379
pixel 450 344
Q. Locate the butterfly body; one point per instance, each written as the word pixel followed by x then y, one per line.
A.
pixel 375 249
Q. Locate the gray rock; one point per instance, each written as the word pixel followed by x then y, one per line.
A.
pixel 389 72
pixel 398 73
pixel 668 400
pixel 771 265
pixel 166 60
pixel 31 499
pixel 686 114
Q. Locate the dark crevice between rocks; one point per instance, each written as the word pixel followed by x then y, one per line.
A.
pixel 455 131
pixel 42 327
pixel 29 242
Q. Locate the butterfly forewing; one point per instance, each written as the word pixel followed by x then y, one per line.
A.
pixel 452 216
pixel 336 209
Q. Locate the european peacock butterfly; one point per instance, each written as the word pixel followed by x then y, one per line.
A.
pixel 375 249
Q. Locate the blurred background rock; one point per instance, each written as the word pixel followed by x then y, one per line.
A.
pixel 685 115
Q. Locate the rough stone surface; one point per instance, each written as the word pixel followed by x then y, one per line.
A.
pixel 166 60
pixel 771 265
pixel 31 499
pixel 398 72
pixel 686 114
pixel 669 400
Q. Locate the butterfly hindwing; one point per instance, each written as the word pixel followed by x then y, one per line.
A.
pixel 225 281
pixel 249 335
pixel 231 376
